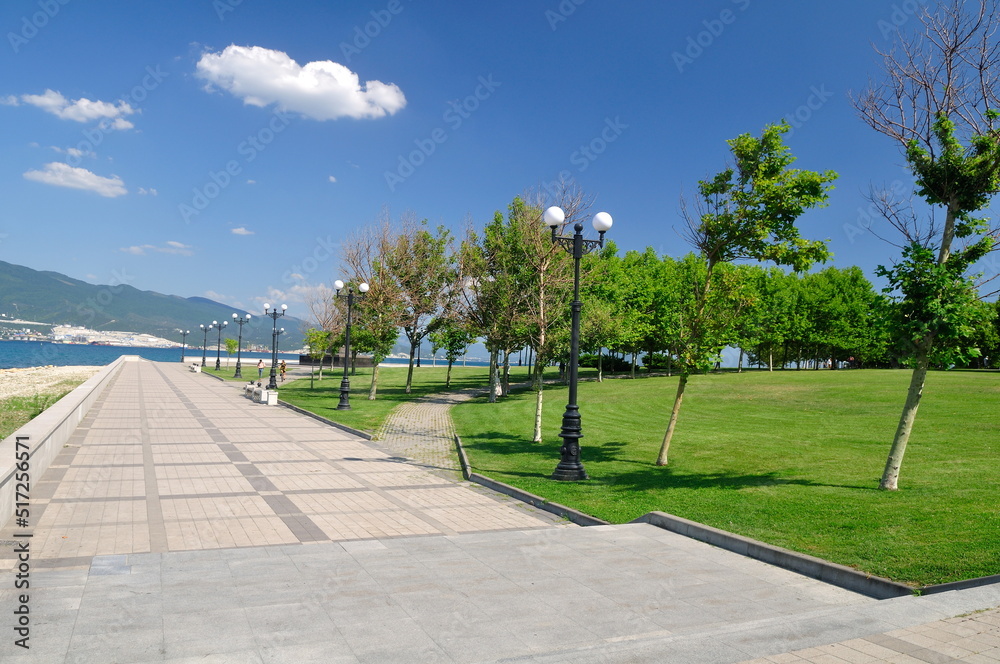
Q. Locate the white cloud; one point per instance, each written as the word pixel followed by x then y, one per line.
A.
pixel 251 182
pixel 80 110
pixel 333 179
pixel 63 175
pixel 9 100
pixel 76 153
pixel 321 90
pixel 142 191
pixel 241 231
pixel 171 247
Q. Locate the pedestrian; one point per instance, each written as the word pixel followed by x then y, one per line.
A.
pixel 260 369
pixel 283 368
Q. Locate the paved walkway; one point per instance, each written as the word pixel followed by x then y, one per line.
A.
pixel 422 429
pixel 183 523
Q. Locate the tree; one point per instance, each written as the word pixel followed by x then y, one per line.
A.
pixel 318 342
pixel 379 314
pixel 938 100
pixel 420 264
pixel 493 295
pixel 231 347
pixel 747 211
pixel 453 337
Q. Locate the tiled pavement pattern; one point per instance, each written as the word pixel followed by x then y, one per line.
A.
pixel 237 507
pixel 422 429
pixel 168 460
pixel 972 638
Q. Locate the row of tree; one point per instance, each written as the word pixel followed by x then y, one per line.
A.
pixel 509 283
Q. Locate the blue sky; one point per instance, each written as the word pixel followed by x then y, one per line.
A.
pixel 224 148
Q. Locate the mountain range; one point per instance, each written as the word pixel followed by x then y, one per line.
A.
pixel 54 298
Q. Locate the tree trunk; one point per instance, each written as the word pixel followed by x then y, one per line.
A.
pixel 536 436
pixel 632 373
pixel 661 460
pixel 890 476
pixel 505 382
pixel 447 380
pixel 770 359
pixel 493 376
pixel 739 365
pixel 374 386
pixel 600 365
pixel 409 371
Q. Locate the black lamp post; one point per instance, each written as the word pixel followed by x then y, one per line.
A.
pixel 274 315
pixel 239 320
pixel 184 334
pixel 570 468
pixel 204 342
pixel 218 344
pixel 345 384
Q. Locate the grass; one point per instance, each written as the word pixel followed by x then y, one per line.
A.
pixel 15 412
pixel 369 415
pixel 790 458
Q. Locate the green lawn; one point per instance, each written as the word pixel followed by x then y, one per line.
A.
pixel 368 415
pixel 790 458
pixel 15 412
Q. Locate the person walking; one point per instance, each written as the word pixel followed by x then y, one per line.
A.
pixel 283 368
pixel 260 369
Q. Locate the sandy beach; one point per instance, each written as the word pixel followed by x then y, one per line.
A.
pixel 39 380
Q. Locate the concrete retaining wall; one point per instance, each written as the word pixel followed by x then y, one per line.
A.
pixel 47 433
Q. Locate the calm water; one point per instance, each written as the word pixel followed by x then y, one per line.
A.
pixel 40 353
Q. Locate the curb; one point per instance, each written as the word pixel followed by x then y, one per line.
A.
pixel 338 425
pixel 837 575
pixel 576 516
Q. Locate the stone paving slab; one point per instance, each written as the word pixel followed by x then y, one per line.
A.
pixel 169 460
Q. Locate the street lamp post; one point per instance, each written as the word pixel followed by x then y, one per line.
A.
pixel 218 344
pixel 204 342
pixel 184 334
pixel 274 315
pixel 239 320
pixel 345 384
pixel 570 468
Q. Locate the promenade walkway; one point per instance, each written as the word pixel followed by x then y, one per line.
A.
pixel 183 523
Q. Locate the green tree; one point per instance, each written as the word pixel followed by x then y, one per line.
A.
pixel 318 342
pixel 421 265
pixel 453 337
pixel 747 211
pixel 231 345
pixel 938 100
pixel 378 316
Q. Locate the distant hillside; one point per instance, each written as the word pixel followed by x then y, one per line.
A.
pixel 50 297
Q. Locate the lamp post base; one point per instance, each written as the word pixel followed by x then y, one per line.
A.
pixel 570 473
pixel 273 383
pixel 345 395
pixel 570 469
pixel 238 374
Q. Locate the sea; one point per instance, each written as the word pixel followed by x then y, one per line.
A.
pixel 19 354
